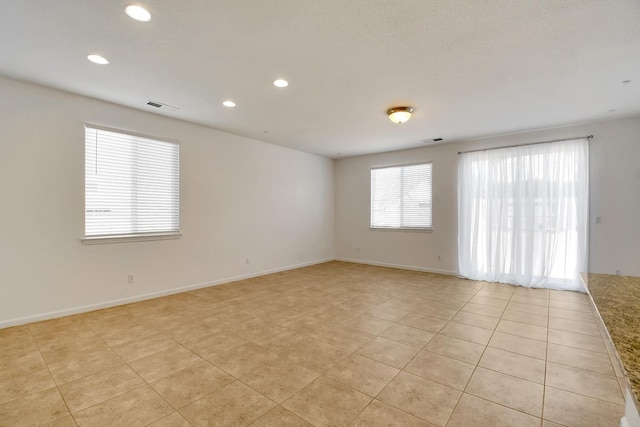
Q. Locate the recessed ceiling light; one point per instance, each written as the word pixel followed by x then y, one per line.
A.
pixel 625 82
pixel 138 13
pixel 229 103
pixel 97 59
pixel 281 83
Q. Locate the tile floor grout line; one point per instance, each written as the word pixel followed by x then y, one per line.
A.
pixel 203 360
pixel 546 362
pixel 583 369
pixel 474 369
pixel 52 378
pixel 144 381
pixel 586 396
pixel 476 364
pixel 401 370
pixel 505 406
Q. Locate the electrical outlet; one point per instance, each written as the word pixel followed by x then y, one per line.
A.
pixel 246 260
pixel 130 278
pixel 358 250
pixel 439 258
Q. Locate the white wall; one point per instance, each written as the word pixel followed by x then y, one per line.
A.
pixel 614 196
pixel 402 248
pixel 240 198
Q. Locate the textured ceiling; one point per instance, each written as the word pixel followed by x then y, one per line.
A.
pixel 471 68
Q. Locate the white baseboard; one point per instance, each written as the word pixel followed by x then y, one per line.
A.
pixel 400 266
pixel 631 417
pixel 112 303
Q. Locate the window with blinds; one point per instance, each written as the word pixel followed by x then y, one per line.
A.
pixel 131 185
pixel 401 197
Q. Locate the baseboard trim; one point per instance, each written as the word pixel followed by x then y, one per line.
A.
pixel 113 303
pixel 400 266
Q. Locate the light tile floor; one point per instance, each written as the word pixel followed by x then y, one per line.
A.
pixel 335 344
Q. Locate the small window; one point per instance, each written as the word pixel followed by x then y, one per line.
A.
pixel 131 186
pixel 401 197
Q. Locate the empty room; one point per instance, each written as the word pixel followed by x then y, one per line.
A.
pixel 330 213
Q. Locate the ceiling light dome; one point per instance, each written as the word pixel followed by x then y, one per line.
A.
pixel 138 13
pixel 399 115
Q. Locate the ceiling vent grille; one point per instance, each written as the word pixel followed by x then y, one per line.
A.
pixel 162 106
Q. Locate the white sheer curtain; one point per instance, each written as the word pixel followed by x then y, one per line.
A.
pixel 523 214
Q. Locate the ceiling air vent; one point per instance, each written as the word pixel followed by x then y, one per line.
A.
pixel 431 141
pixel 162 106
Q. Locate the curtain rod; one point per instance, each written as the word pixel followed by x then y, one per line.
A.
pixel 589 137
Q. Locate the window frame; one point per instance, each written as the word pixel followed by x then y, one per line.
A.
pixel 137 237
pixel 428 229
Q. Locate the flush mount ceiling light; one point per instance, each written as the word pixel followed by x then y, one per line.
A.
pixel 281 83
pixel 97 59
pixel 229 103
pixel 399 115
pixel 138 13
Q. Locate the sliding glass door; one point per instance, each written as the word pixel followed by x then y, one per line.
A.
pixel 523 214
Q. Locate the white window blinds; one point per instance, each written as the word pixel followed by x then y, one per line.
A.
pixel 131 185
pixel 401 197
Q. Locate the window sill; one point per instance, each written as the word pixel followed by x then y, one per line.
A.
pixel 129 239
pixel 420 230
